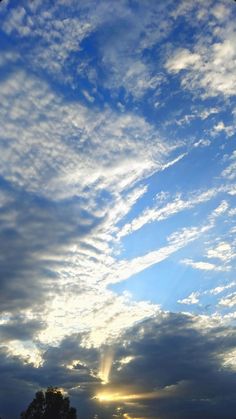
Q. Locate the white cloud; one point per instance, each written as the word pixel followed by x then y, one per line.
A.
pixel 193 298
pixel 17 21
pixel 202 143
pixel 232 212
pixel 62 150
pixel 204 266
pixel 229 301
pixel 218 290
pixel 99 312
pixel 220 127
pixel 182 59
pixel 165 211
pixel 211 67
pixel 230 171
pixel 60 32
pixel 57 35
pixel 89 149
pixel 187 118
pixel 176 241
pixel 229 359
pixel 220 11
pixel 222 251
pixel 123 59
pixel 8 57
pixel 207 112
pixel 221 209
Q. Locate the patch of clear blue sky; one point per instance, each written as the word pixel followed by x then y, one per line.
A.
pixel 197 172
pixel 170 281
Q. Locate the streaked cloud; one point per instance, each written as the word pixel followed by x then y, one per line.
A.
pixel 163 212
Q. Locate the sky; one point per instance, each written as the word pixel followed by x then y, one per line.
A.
pixel 117 206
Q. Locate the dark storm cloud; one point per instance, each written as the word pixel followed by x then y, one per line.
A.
pixel 15 389
pixel 175 355
pixel 172 358
pixel 20 380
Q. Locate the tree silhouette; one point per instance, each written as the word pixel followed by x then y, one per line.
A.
pixel 49 405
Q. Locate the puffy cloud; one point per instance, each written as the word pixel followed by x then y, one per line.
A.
pixel 209 67
pixel 197 296
pixel 220 11
pixel 222 251
pixel 229 300
pixel 182 59
pixel 193 298
pixel 220 127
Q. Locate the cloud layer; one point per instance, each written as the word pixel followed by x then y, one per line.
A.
pixel 117 205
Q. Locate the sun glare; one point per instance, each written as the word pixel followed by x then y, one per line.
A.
pixel 107 397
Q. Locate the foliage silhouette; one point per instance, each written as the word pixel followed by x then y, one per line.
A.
pixel 49 405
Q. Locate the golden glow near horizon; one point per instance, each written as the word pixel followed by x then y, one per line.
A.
pixel 106 397
pixel 106 365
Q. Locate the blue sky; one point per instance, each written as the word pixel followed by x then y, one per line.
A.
pixel 117 197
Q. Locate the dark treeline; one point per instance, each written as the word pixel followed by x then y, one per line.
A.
pixel 50 404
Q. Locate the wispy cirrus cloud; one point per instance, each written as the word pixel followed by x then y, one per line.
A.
pixel 176 241
pixel 166 210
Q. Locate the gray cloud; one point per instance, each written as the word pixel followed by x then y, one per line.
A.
pixel 35 234
pixel 20 329
pixel 170 358
pixel 173 357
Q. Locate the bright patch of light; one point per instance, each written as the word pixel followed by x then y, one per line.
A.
pixel 229 360
pixel 106 365
pixel 27 352
pixel 73 364
pixel 107 397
